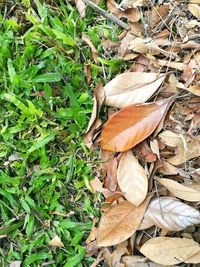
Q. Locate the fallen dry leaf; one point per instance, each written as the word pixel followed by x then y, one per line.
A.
pixel 144 152
pixel 87 40
pixel 125 42
pixel 185 151
pixel 15 264
pixel 56 242
pixel 94 123
pixel 169 214
pixel 180 190
pixel 131 14
pixel 80 5
pixel 195 259
pixel 158 14
pixel 155 147
pixel 194 9
pixel 119 137
pixel 169 250
pixel 132 179
pixel 126 4
pixel 120 222
pixel 131 87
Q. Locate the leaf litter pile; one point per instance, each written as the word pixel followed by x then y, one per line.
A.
pixel 149 146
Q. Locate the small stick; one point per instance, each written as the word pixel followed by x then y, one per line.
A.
pixel 107 15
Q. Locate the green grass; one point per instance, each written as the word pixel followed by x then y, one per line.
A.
pixel 45 104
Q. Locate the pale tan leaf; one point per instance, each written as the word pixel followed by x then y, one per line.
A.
pixel 87 40
pixel 15 264
pixel 96 186
pixel 155 147
pixel 126 4
pixel 195 259
pixel 132 178
pixel 194 89
pixel 195 10
pixel 171 64
pixel 132 87
pixel 120 222
pixel 80 5
pixel 169 250
pixel 139 261
pixel 56 242
pixel 170 214
pixel 185 151
pixel 180 190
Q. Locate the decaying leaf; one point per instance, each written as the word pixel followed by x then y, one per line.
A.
pixel 120 222
pixel 180 190
pixel 132 87
pixel 169 214
pixel 56 242
pixel 132 179
pixel 15 264
pixel 87 40
pixel 169 250
pixel 139 121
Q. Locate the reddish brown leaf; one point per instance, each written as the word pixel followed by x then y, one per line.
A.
pixel 131 125
pixel 87 40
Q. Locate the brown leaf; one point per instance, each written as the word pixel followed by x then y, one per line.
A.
pixel 132 179
pixel 80 5
pixel 94 123
pixel 169 214
pixel 120 222
pixel 180 190
pixel 131 14
pixel 155 147
pixel 158 15
pixel 125 42
pixel 131 87
pixel 56 242
pixel 119 137
pixel 169 250
pixel 144 152
pixel 87 40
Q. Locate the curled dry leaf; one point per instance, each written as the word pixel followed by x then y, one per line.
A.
pixel 185 151
pixel 87 40
pixel 131 14
pixel 169 214
pixel 180 190
pixel 139 121
pixel 132 87
pixel 169 250
pixel 144 152
pixel 56 242
pixel 132 179
pixel 120 222
pixel 94 122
